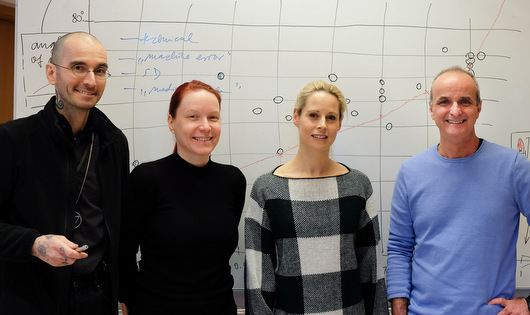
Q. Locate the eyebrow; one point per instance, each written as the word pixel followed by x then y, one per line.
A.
pixel 74 62
pixel 467 98
pixel 463 98
pixel 318 111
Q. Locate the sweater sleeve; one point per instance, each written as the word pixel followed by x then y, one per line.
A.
pixel 522 184
pixel 138 198
pixel 260 256
pixel 401 242
pixel 370 265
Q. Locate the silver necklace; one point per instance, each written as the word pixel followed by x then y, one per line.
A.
pixel 86 171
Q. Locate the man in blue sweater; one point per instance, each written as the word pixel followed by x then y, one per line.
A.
pixel 455 214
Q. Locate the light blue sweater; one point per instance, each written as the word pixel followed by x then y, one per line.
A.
pixel 453 230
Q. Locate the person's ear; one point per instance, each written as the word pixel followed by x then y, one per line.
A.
pixel 170 121
pixel 295 117
pixel 51 73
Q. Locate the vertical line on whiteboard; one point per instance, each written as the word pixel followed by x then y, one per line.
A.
pixel 89 19
pixel 278 48
pixel 383 42
pixel 134 80
pixel 425 71
pixel 333 35
pixel 185 32
pixel 470 36
pixel 381 82
pixel 230 84
pixel 278 73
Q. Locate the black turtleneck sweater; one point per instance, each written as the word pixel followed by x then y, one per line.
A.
pixel 185 220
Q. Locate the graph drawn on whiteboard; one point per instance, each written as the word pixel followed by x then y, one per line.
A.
pixel 258 54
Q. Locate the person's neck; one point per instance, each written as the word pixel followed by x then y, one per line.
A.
pixel 310 165
pixel 458 150
pixel 76 118
pixel 195 160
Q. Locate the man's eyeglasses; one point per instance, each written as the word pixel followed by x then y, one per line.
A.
pixel 81 71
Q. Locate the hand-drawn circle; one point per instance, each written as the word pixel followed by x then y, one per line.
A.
pixel 389 126
pixel 381 91
pixel 445 49
pixel 135 163
pixel 470 55
pixel 333 77
pixel 470 61
pixel 418 86
pixel 382 98
pixel 257 111
pixel 220 76
pixel 481 55
pixel 354 113
pixel 278 99
pixel 289 117
pixel 348 101
pixel 382 82
pixel 279 151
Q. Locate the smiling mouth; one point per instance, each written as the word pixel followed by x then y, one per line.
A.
pixel 86 92
pixel 456 122
pixel 203 139
pixel 319 136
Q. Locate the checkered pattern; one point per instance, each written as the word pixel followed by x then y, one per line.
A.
pixel 312 247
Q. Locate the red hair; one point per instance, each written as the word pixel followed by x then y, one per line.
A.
pixel 184 89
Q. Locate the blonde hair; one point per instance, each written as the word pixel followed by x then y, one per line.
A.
pixel 320 85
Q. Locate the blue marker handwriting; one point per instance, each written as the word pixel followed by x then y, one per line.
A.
pixel 155 71
pixel 155 89
pixel 162 39
pixel 174 55
pixel 178 55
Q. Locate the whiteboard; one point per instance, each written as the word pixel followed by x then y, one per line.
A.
pixel 258 54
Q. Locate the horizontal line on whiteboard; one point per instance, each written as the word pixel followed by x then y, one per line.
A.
pixel 303 51
pixel 445 28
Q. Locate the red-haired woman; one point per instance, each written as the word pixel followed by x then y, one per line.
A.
pixel 183 212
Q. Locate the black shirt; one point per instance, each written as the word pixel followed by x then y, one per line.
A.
pixel 89 222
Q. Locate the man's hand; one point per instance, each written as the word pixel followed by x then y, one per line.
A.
pixel 56 250
pixel 517 306
pixel 400 306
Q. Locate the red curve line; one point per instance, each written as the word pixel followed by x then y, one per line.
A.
pixel 489 31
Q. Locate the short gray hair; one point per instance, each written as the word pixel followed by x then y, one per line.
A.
pixel 456 69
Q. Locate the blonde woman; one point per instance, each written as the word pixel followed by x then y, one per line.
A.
pixel 311 229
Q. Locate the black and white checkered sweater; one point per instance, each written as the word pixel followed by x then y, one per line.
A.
pixel 313 247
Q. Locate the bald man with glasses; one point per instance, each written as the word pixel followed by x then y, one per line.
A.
pixel 60 192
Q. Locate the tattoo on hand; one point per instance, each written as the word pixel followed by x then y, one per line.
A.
pixel 41 250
